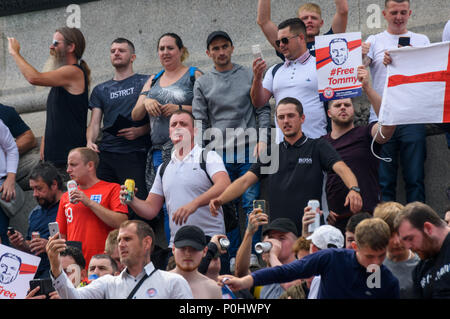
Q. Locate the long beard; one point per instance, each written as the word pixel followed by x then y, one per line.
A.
pixel 55 60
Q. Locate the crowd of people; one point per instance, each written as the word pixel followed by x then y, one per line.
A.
pixel 359 243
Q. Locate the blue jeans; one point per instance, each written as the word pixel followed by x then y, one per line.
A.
pixel 157 160
pixel 237 166
pixel 407 147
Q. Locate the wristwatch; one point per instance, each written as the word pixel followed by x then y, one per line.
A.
pixel 355 188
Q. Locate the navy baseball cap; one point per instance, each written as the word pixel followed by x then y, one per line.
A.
pixel 216 34
pixel 284 225
pixel 190 236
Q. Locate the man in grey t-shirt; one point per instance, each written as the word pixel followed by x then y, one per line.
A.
pixel 124 143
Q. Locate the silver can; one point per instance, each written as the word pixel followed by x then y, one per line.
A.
pixel 314 204
pixel 224 243
pixel 263 247
pixel 71 186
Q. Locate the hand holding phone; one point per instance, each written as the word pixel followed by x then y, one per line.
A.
pixel 54 229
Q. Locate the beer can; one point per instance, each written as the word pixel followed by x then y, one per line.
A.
pixel 314 204
pixel 71 186
pixel 35 234
pixel 224 243
pixel 263 247
pixel 130 185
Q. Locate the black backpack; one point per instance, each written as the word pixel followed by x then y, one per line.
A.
pixel 229 209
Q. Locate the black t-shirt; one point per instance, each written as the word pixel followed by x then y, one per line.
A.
pixel 120 97
pixel 13 121
pixel 299 176
pixel 431 276
pixel 66 123
pixel 354 149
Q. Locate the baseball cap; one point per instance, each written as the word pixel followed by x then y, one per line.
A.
pixel 190 236
pixel 284 225
pixel 216 34
pixel 327 236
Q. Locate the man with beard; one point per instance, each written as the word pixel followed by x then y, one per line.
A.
pixel 189 247
pixel 67 102
pixel 354 146
pixel 47 190
pixel 422 230
pixel 299 178
pixel 122 154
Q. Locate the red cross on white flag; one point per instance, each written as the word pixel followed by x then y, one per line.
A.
pixel 417 88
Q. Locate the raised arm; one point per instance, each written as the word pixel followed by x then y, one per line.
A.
pixel 339 23
pixel 267 26
pixel 375 99
pixel 236 189
pixel 67 76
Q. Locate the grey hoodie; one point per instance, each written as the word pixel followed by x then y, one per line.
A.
pixel 222 100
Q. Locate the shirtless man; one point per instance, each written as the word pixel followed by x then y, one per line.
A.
pixel 189 249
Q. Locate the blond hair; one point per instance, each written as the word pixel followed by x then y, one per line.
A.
pixel 310 7
pixel 111 241
pixel 373 233
pixel 87 155
pixel 388 211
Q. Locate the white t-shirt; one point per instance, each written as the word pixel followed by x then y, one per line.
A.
pixel 182 182
pixel 299 80
pixel 446 33
pixel 379 43
pixel 9 154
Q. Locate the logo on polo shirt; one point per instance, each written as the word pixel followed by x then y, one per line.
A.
pixel 97 198
pixel 152 292
pixel 305 160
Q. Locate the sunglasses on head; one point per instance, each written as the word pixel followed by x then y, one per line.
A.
pixel 284 40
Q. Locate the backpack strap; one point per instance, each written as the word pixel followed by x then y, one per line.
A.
pixel 156 77
pixel 202 163
pixel 275 69
pixel 192 70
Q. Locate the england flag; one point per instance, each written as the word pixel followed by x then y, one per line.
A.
pixel 417 87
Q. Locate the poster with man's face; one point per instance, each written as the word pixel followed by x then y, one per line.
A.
pixel 337 59
pixel 16 270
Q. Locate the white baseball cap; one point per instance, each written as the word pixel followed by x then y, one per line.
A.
pixel 327 236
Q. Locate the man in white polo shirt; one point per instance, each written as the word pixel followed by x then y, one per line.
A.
pixel 184 185
pixel 297 78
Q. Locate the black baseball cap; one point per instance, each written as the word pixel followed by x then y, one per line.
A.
pixel 216 34
pixel 284 225
pixel 190 236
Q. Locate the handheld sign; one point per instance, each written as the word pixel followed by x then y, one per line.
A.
pixel 337 59
pixel 16 270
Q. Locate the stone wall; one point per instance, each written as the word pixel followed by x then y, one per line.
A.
pixel 144 21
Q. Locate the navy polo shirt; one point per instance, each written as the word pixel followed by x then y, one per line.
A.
pixel 299 176
pixel 38 221
pixel 342 277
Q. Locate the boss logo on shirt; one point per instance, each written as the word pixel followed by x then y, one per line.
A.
pixel 305 160
pixel 96 198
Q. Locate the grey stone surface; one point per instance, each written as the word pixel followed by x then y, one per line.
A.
pixel 144 21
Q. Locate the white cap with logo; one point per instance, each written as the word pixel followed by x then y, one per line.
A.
pixel 327 236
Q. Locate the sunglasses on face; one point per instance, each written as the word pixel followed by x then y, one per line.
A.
pixel 284 40
pixel 55 43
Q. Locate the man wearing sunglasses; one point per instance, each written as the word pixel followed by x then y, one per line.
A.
pixel 296 78
pixel 311 15
pixel 67 103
